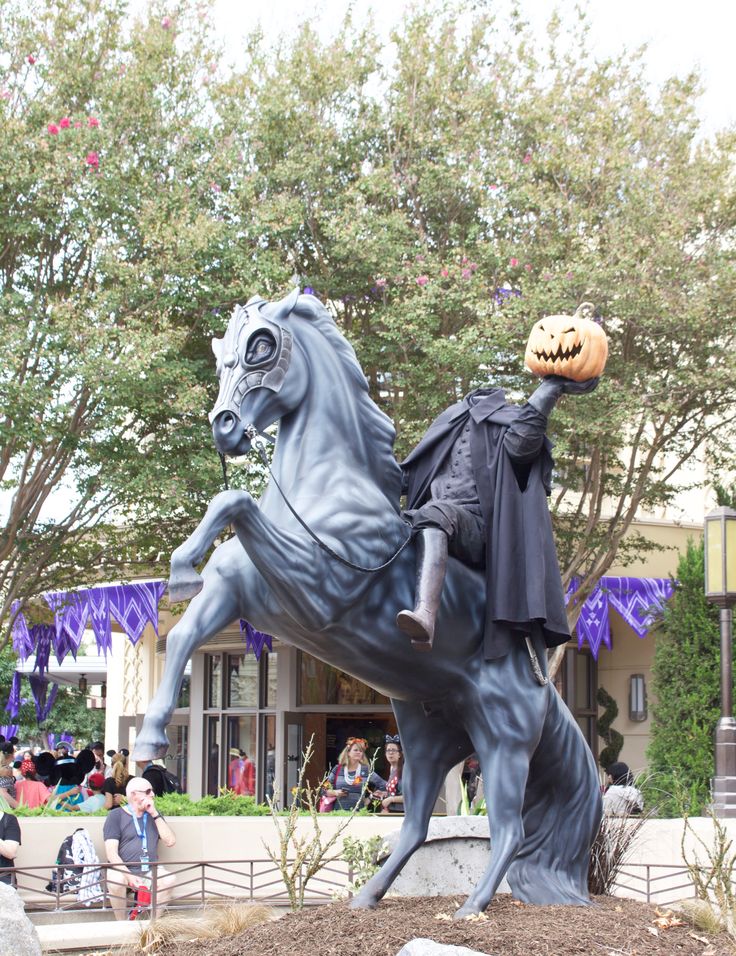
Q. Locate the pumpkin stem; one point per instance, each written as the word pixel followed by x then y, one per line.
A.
pixel 586 310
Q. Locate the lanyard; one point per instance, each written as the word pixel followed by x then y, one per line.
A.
pixel 142 836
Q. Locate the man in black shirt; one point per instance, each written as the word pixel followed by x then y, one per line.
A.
pixel 9 843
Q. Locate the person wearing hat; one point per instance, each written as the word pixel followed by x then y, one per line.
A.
pixel 96 800
pixel 30 791
pixel 132 835
pixel 235 770
pixel 621 797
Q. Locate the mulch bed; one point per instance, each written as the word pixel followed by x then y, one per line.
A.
pixel 612 927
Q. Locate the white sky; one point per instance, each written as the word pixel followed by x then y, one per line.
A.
pixel 681 34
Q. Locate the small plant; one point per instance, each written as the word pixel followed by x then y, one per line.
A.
pixel 310 852
pixel 611 849
pixel 362 857
pixel 713 873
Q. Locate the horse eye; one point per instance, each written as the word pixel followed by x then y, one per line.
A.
pixel 260 348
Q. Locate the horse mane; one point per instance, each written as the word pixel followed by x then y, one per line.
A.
pixel 378 428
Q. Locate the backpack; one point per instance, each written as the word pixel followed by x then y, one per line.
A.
pixel 169 782
pixel 66 877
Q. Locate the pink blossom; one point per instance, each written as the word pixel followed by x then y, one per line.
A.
pixel 420 258
pixel 422 280
pixel 513 263
pixel 528 266
pixel 444 272
pixel 65 122
pixel 546 276
pixel 215 187
pixel 31 59
pixel 527 158
pixel 568 275
pixel 467 273
pixel 93 160
pixel 381 283
pixel 5 95
pixel 464 260
pixel 92 122
pixel 53 129
pixel 77 124
pixel 473 266
pixel 493 187
pixel 166 22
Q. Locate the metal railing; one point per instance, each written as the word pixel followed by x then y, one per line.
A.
pixel 259 881
pixel 197 882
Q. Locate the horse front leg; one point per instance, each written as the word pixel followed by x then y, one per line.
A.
pixel 184 580
pixel 214 608
pixel 432 747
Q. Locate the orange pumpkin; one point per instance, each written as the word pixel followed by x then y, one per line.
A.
pixel 572 346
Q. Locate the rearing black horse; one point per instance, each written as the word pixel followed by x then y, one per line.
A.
pixel 288 362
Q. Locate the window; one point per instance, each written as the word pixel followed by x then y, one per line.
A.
pixel 320 684
pixel 577 682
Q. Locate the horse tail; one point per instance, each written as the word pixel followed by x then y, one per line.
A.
pixel 561 814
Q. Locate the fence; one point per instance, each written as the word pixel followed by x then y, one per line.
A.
pixel 259 881
pixel 197 883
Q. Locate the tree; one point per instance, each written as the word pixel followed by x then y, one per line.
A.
pixel 686 685
pixel 114 267
pixel 440 203
pixel 444 204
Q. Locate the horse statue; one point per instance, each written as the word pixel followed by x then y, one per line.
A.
pixel 287 362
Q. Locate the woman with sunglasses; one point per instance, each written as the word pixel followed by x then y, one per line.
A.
pixel 347 781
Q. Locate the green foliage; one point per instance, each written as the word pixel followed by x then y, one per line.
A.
pixel 70 713
pixel 226 804
pixel 440 203
pixel 686 686
pixel 613 739
pixel 362 857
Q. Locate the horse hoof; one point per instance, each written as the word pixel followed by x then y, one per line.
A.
pixel 184 587
pixel 144 750
pixel 360 902
pixel 467 910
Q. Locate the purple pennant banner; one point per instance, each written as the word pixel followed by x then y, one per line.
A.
pixel 71 612
pixel 9 730
pixel 254 640
pixel 45 637
pixel 23 641
pixel 637 600
pixel 14 700
pixel 43 699
pixel 136 605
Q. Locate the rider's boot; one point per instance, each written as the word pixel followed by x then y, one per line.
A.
pixel 431 566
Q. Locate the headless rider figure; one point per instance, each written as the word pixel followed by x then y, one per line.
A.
pixel 477 486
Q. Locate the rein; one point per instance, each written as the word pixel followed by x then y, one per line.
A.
pixel 255 439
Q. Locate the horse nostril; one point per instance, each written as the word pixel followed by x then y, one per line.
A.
pixel 227 422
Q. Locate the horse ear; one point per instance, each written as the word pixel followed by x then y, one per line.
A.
pixel 217 348
pixel 282 309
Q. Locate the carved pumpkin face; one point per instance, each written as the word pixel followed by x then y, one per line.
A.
pixel 571 346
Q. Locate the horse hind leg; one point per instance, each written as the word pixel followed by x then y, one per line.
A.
pixel 431 750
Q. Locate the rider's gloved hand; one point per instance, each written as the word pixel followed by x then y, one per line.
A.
pixel 553 386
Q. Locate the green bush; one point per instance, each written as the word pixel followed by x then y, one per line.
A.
pixel 686 685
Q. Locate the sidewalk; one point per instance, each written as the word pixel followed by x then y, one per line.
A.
pixel 98 936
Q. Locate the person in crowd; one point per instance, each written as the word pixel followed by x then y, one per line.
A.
pixel 152 772
pixel 98 749
pixel 67 779
pixel 96 800
pixel 392 798
pixel 347 781
pixel 7 777
pixel 132 835
pixel 108 766
pixel 621 797
pixel 114 787
pixel 234 770
pixel 30 791
pixel 247 786
pixel 9 843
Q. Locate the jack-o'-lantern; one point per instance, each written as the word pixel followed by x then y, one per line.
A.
pixel 572 346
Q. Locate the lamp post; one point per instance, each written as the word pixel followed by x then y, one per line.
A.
pixel 720 589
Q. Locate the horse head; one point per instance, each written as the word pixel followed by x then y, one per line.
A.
pixel 255 353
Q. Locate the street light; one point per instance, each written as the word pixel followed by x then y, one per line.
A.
pixel 720 589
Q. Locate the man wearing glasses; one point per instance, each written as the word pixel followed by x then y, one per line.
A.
pixel 131 837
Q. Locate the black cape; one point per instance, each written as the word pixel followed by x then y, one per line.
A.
pixel 523 583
